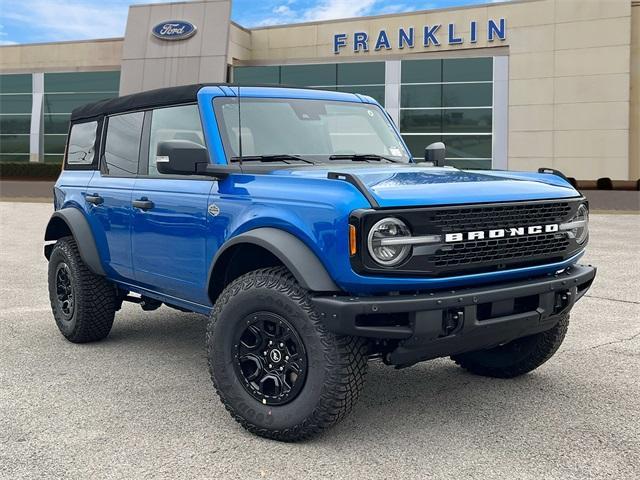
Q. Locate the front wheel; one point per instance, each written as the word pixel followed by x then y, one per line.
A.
pixel 276 368
pixel 517 357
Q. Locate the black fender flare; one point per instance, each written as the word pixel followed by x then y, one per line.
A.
pixel 301 261
pixel 80 229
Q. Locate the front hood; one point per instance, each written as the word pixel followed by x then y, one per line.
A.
pixel 398 186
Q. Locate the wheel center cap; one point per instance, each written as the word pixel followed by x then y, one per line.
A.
pixel 275 356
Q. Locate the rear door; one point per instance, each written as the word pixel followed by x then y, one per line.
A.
pixel 169 237
pixel 109 193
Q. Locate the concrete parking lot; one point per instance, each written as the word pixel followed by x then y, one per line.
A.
pixel 140 404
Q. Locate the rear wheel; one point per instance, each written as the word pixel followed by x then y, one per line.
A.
pixel 276 368
pixel 517 357
pixel 83 303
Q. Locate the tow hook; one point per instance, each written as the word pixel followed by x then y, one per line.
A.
pixel 452 319
pixel 563 300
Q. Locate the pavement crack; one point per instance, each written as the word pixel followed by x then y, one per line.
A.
pixel 612 342
pixel 613 299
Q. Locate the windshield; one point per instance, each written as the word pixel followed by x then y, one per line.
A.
pixel 315 130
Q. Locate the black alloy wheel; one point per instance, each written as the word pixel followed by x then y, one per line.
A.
pixel 269 358
pixel 64 291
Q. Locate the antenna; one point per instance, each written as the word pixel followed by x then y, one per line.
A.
pixel 239 129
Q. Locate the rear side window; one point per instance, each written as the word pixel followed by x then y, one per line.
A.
pixel 122 145
pixel 81 150
pixel 173 123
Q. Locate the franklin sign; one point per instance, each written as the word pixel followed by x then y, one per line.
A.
pixel 426 37
pixel 174 30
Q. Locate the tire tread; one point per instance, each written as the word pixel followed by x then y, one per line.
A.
pixel 95 298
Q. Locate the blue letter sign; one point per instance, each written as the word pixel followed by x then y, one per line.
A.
pixel 406 37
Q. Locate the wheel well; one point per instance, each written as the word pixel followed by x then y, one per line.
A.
pixel 235 262
pixel 56 229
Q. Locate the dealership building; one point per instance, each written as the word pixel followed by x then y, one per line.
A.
pixel 516 85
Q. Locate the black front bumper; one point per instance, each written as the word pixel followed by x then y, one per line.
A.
pixel 439 324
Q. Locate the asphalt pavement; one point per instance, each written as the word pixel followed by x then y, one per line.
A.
pixel 140 404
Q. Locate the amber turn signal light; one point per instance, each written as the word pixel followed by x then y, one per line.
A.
pixel 353 248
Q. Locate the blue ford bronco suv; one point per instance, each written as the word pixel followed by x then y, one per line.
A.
pixel 300 224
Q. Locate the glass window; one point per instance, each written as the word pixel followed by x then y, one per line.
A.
pixel 256 75
pixel 15 83
pixel 122 145
pixel 468 146
pixel 421 71
pixel 467 95
pixel 308 75
pixel 66 102
pixel 472 164
pixel 15 124
pixel 14 144
pixel 365 73
pixel 467 69
pixel 421 96
pixel 58 123
pixel 15 104
pixel 421 121
pixel 467 120
pixel 14 157
pixel 366 78
pixel 55 143
pixel 82 82
pixel 174 123
pixel 53 158
pixel 82 142
pixel 313 129
pixel 417 143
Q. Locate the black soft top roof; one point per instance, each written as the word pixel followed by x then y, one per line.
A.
pixel 138 101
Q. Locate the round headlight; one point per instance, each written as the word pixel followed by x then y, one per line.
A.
pixel 581 221
pixel 382 239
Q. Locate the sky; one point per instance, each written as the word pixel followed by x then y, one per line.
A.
pixel 32 21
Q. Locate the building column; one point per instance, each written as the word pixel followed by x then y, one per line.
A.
pixel 392 80
pixel 36 153
pixel 500 129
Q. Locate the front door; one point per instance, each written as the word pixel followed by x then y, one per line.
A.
pixel 169 236
pixel 170 224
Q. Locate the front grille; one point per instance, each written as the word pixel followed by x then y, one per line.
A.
pixel 500 250
pixel 477 256
pixel 487 217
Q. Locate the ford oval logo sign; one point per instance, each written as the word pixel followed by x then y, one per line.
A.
pixel 174 30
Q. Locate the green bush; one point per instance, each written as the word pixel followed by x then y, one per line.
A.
pixel 29 170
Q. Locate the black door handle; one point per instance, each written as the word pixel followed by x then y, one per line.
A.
pixel 143 204
pixel 95 199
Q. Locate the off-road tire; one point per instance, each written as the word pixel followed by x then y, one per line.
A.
pixel 95 298
pixel 517 357
pixel 336 364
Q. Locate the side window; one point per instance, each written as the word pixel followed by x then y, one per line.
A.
pixel 122 145
pixel 82 142
pixel 173 123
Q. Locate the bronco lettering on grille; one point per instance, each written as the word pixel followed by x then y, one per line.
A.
pixel 501 233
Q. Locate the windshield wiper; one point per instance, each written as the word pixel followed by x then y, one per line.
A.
pixel 271 158
pixel 363 157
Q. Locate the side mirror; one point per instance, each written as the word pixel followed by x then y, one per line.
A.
pixel 181 157
pixel 435 153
